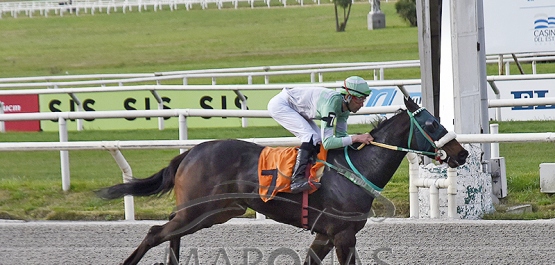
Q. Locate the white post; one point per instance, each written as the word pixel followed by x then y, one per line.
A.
pixel 414 171
pixel 160 106
pixel 161 119
pixel 452 192
pixel 64 154
pixel 244 121
pixel 182 130
pixel 494 129
pixel 416 182
pixel 434 201
pixel 127 174
pixel 79 108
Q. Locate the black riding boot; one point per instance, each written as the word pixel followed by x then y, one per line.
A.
pixel 299 181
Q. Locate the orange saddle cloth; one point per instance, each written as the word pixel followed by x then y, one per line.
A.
pixel 275 167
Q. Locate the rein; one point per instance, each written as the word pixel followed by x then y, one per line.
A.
pixel 397 148
pixel 437 145
pixel 353 175
pixel 356 177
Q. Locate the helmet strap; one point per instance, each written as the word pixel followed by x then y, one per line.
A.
pixel 347 89
pixel 347 99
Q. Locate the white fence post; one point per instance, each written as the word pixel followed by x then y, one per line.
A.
pixel 182 130
pixel 127 173
pixel 79 108
pixel 415 182
pixel 494 129
pixel 160 106
pixel 414 171
pixel 64 154
pixel 452 193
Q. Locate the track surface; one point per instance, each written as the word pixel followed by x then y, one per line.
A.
pixel 242 241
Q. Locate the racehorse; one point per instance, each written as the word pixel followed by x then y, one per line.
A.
pixel 218 180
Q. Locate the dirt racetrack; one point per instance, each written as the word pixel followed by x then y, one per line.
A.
pixel 247 241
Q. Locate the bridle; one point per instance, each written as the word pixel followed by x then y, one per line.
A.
pixel 427 128
pixel 424 128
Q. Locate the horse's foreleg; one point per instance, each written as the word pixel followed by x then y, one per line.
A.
pixel 345 242
pixel 319 248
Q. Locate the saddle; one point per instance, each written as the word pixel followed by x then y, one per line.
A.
pixel 275 168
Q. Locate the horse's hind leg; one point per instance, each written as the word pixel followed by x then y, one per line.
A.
pixel 151 240
pixel 173 254
pixel 158 234
pixel 183 223
pixel 319 248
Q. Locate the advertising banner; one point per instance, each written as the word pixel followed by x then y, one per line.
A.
pixel 144 100
pixel 519 26
pixel 525 89
pixel 21 104
pixel 257 100
pixel 391 96
pixel 386 96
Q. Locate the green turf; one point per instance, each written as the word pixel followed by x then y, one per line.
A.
pixel 30 187
pixel 146 42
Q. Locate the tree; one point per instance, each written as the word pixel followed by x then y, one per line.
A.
pixel 346 5
pixel 407 10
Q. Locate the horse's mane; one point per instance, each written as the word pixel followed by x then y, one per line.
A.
pixel 381 122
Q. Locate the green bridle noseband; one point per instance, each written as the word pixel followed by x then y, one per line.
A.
pixel 414 123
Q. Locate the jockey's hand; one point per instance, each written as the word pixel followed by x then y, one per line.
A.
pixel 365 138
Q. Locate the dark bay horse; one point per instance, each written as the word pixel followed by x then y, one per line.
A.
pixel 217 180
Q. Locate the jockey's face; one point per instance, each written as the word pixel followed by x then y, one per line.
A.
pixel 356 103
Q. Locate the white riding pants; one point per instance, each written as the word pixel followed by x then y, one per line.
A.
pixel 286 115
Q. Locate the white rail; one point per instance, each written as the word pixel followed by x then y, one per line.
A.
pixel 189 87
pixel 115 146
pixel 183 77
pixel 244 70
pixel 77 7
pixel 434 184
pixel 181 113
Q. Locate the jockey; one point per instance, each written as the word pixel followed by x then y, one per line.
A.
pixel 296 109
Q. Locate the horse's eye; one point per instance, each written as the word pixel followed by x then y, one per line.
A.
pixel 432 125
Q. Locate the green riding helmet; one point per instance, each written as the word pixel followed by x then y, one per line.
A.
pixel 356 86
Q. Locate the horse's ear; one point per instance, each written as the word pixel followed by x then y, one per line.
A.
pixel 410 104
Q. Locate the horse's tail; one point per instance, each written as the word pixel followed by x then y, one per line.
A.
pixel 159 183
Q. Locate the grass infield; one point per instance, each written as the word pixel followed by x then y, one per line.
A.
pixel 30 183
